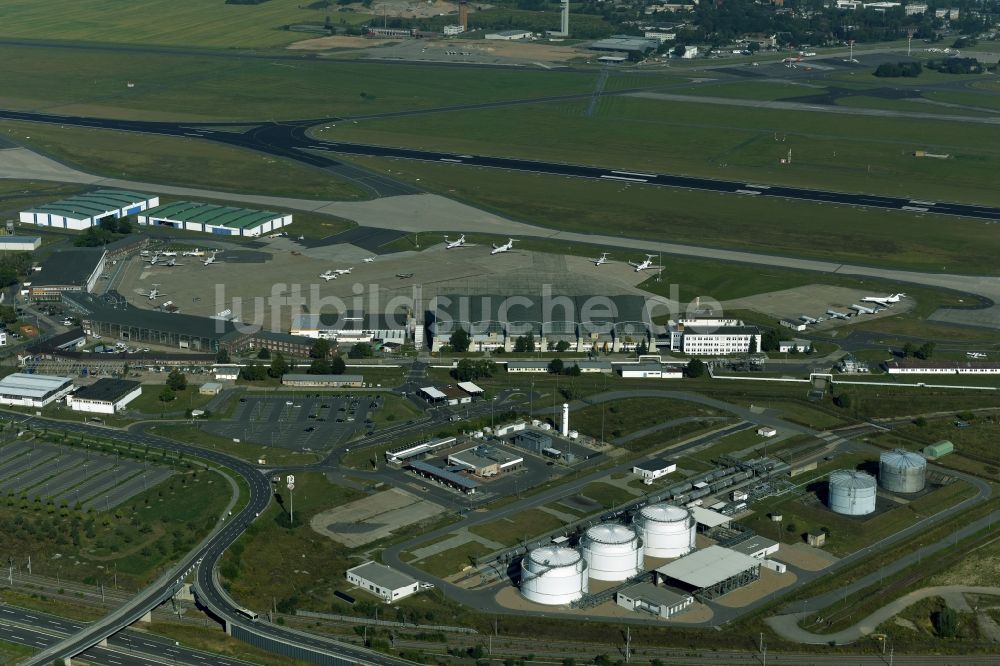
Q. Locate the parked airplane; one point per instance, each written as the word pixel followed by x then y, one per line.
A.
pixel 884 301
pixel 343 271
pixel 809 320
pixel 211 259
pixel 643 265
pixel 328 275
pixel 451 244
pixel 603 259
pixel 171 263
pixel 168 253
pixel 403 276
pixel 975 354
pixel 155 258
pixel 837 315
pixel 506 247
pixel 193 253
pixel 369 260
pixel 153 293
pixel 862 309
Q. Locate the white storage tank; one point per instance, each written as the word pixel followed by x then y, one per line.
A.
pixel 553 575
pixel 612 552
pixel 902 471
pixel 667 530
pixel 852 492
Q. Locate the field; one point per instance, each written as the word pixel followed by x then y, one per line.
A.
pixel 453 560
pixel 178 161
pixel 852 153
pixel 239 86
pixel 622 417
pixel 519 527
pixel 245 450
pixel 835 233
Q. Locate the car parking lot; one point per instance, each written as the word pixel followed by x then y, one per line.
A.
pixel 300 422
pixel 74 476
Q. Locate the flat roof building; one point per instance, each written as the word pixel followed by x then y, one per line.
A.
pixel 651 371
pixel 384 582
pixel 352 327
pixel 509 35
pixel 105 396
pixel 445 477
pixel 756 546
pixel 532 440
pixel 485 461
pixel 86 210
pixel 214 219
pixel 711 572
pixel 653 599
pixel 626 43
pixel 20 243
pixel 210 388
pixel 650 470
pixel 323 381
pixel 24 390
pixel 66 271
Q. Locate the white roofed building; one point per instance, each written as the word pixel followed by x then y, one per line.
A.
pixel 382 581
pixel 24 390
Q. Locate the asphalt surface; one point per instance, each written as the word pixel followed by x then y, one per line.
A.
pixel 290 140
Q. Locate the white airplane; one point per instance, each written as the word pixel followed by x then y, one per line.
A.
pixel 603 259
pixel 168 253
pixel 506 247
pixel 451 244
pixel 171 263
pixel 369 260
pixel 193 253
pixel 343 271
pixel 155 258
pixel 211 259
pixel 975 354
pixel 328 275
pixel 884 301
pixel 643 265
pixel 153 293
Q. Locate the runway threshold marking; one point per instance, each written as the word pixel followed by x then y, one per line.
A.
pixel 747 192
pixel 631 180
pixel 632 173
pixel 448 159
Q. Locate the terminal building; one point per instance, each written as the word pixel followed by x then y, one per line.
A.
pixel 105 396
pixel 214 219
pixel 86 210
pixel 24 390
pixel 73 270
pixel 602 323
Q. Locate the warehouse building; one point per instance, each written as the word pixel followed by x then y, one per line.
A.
pixel 20 243
pixel 509 35
pixel 485 461
pixel 128 323
pixel 105 396
pixel 653 599
pixel 214 219
pixel 399 456
pixel 445 477
pixel 86 210
pixel 384 582
pixel 532 440
pixel 73 270
pixel 651 470
pixel 323 381
pixel 24 390
pixel 625 43
pixel 711 572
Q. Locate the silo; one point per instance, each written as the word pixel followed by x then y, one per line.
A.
pixel 902 471
pixel 612 552
pixel 553 575
pixel 852 493
pixel 667 530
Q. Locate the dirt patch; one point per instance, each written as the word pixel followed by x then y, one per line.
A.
pixel 805 557
pixel 338 42
pixel 372 518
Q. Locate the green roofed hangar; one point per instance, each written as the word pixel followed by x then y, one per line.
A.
pixel 213 219
pixel 86 210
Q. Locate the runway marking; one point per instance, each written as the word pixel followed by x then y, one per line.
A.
pixel 759 187
pixel 633 180
pixel 747 192
pixel 448 159
pixel 922 203
pixel 916 209
pixel 632 173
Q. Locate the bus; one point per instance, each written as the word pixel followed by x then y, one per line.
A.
pixel 246 613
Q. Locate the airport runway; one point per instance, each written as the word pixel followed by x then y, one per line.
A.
pixel 290 140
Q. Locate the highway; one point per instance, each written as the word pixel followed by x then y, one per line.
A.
pixel 291 140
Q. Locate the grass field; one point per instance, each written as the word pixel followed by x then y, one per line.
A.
pixel 245 450
pixel 836 233
pixel 394 409
pixel 850 153
pixel 453 560
pixel 149 402
pixel 233 86
pixel 627 416
pixel 519 527
pixel 178 161
pixel 606 495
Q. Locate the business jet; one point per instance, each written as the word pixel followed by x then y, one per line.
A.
pixel 211 260
pixel 153 293
pixel 975 354
pixel 643 265
pixel 343 271
pixel 884 301
pixel 369 260
pixel 452 244
pixel 328 275
pixel 506 247
pixel 168 253
pixel 601 260
pixel 193 253
pixel 154 259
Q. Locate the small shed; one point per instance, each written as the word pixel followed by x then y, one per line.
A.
pixel 816 539
pixel 210 388
pixel 938 449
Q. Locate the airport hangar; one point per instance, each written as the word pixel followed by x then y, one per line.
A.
pixel 67 271
pixel 86 210
pixel 214 219
pixel 496 321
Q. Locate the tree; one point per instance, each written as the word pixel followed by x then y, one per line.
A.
pixel 925 351
pixel 253 372
pixel 843 401
pixel 752 348
pixel 361 350
pixel 695 368
pixel 572 370
pixel 319 366
pixel 946 622
pixel 320 349
pixel 908 349
pixel 642 347
pixel 769 341
pixel 176 380
pixel 562 346
pixel 167 394
pixel 264 353
pixel 524 343
pixel 556 366
pixel 464 371
pixel 337 365
pixel 222 356
pixel 460 340
pixel 279 366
